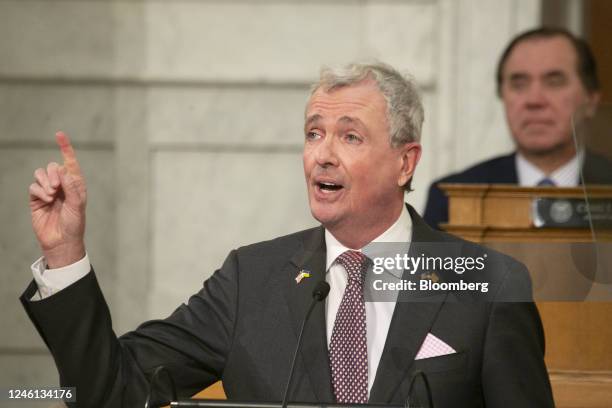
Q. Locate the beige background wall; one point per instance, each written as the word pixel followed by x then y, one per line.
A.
pixel 187 119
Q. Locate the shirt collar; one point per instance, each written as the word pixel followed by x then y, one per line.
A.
pixel 400 231
pixel 567 175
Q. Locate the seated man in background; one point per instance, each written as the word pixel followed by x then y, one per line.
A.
pixel 545 77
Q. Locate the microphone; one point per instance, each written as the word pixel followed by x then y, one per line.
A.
pixel 319 293
pixel 158 371
pixel 411 400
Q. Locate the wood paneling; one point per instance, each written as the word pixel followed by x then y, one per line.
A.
pixel 578 334
pixel 598 17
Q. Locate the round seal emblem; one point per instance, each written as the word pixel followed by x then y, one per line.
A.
pixel 561 211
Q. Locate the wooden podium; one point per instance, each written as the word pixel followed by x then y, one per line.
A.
pixel 578 334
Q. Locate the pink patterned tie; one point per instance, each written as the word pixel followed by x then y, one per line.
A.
pixel 348 349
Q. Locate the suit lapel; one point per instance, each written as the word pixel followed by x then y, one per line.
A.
pixel 410 324
pixel 298 296
pixel 507 173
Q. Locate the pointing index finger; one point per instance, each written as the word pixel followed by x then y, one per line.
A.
pixel 70 160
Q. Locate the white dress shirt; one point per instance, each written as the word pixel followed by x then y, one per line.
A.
pixel 567 175
pixel 378 314
pixel 51 281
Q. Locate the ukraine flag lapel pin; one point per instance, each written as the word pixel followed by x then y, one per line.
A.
pixel 302 275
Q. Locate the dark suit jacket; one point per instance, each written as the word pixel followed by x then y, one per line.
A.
pixel 502 170
pixel 242 326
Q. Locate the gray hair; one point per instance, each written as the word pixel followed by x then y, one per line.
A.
pixel 404 106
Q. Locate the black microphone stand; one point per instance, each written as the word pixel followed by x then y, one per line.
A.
pixel 154 377
pixel 319 293
pixel 427 390
pixel 297 349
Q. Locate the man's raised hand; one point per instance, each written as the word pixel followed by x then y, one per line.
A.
pixel 58 198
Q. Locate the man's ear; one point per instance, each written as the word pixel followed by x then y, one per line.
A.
pixel 410 153
pixel 592 103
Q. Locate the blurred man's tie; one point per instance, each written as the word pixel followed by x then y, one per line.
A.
pixel 546 182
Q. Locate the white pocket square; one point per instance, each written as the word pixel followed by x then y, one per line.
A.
pixel 433 347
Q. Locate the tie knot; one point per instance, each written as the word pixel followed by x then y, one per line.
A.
pixel 355 263
pixel 546 182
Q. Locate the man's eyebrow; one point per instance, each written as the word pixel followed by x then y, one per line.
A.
pixel 312 119
pixel 554 73
pixel 351 121
pixel 348 120
pixel 518 76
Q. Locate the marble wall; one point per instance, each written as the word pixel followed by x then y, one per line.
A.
pixel 187 117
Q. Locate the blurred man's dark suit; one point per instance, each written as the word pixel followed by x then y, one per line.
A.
pixel 242 328
pixel 502 170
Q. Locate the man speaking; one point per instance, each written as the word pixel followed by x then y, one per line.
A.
pixel 361 148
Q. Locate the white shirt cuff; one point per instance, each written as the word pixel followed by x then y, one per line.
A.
pixel 51 281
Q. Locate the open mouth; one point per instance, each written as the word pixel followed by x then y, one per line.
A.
pixel 538 122
pixel 329 187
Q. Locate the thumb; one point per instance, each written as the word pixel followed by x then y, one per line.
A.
pixel 73 187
